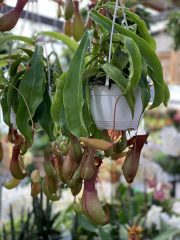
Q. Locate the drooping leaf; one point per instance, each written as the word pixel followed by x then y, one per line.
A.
pixel 5 108
pixel 73 89
pixel 72 44
pixel 31 91
pixel 135 68
pixel 57 102
pixel 8 38
pixel 12 94
pixel 44 115
pixel 142 28
pixel 145 92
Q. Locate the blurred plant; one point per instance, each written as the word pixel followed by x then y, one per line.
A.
pixel 17 230
pixel 39 223
pixel 156 120
pixel 44 220
pixel 132 216
pixel 169 163
pixel 173 28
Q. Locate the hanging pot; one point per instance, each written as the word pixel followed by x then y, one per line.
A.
pixel 103 101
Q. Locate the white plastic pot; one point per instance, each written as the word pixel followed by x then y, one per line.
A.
pixel 103 101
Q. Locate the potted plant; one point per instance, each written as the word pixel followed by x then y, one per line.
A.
pixel 105 88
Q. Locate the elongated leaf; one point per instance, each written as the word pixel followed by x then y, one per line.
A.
pixel 117 76
pixel 141 25
pixel 73 45
pixel 31 93
pixel 142 28
pixel 58 99
pixel 135 62
pixel 73 92
pixel 44 115
pixel 145 92
pixel 5 108
pixel 87 115
pixel 8 38
pixel 12 94
pixel 146 51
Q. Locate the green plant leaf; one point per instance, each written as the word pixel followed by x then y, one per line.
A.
pixel 146 51
pixel 44 116
pixel 135 68
pixel 73 91
pixel 8 38
pixel 72 44
pixel 5 108
pixel 142 28
pixel 57 102
pixel 87 115
pixel 12 94
pixel 145 92
pixel 31 91
pixel 117 76
pixel 141 25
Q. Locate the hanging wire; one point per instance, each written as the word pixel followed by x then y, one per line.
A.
pixel 111 38
pixel 112 31
pixel 123 13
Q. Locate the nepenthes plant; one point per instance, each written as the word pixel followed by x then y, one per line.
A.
pixel 115 51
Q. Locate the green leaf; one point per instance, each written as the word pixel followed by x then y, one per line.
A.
pixel 31 91
pixel 72 44
pixel 5 108
pixel 87 115
pixel 12 94
pixel 44 115
pixel 145 92
pixel 119 58
pixel 140 23
pixel 58 99
pixel 117 76
pixel 8 38
pixel 27 51
pixel 3 81
pixel 135 63
pixel 142 28
pixel 73 91
pixel 146 51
